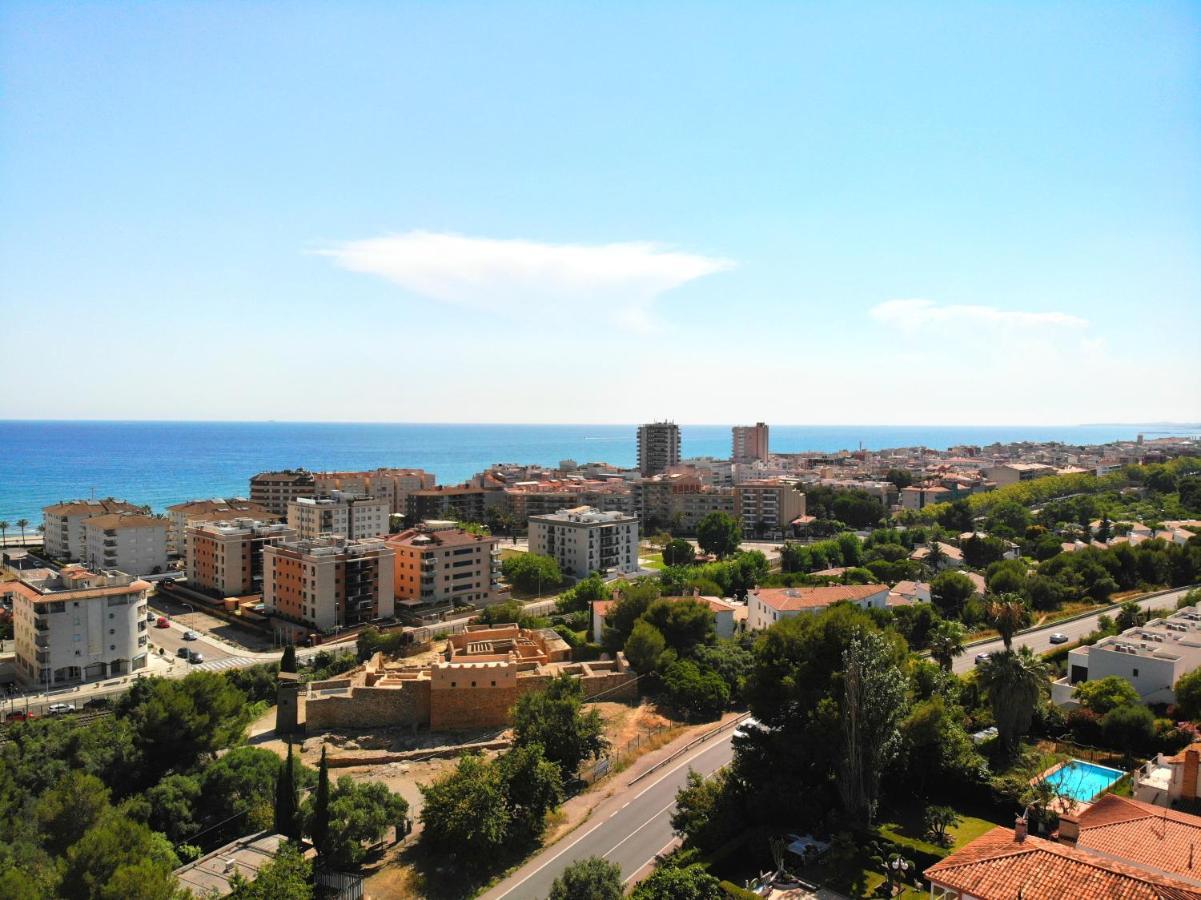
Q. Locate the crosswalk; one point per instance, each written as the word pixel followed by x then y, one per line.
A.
pixel 216 665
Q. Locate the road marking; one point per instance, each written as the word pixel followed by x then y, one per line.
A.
pixel 662 849
pixel 677 768
pixel 640 827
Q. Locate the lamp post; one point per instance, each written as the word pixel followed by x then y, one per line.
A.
pixel 895 869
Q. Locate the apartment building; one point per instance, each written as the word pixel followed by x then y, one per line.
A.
pixel 919 496
pixel 658 447
pixel 767 606
pixel 1011 473
pixel 226 558
pixel 216 510
pixel 438 563
pixel 460 502
pixel 62 524
pixel 1152 657
pixel 328 582
pixel 350 515
pixel 586 540
pixel 749 443
pixel 392 485
pixel 540 498
pixel 767 506
pixel 275 490
pixel 78 626
pixel 128 542
pixel 678 502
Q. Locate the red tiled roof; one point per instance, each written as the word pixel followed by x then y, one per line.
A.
pixel 784 599
pixel 995 866
pixel 1143 833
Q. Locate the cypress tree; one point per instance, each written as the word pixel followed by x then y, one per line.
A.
pixel 285 799
pixel 287 662
pixel 320 827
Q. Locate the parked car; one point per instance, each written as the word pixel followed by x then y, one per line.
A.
pixel 183 652
pixel 1059 638
pixel 150 617
pixel 190 635
pixel 58 709
pixel 982 658
pixel 162 622
pixel 19 715
pixel 194 657
pixel 98 703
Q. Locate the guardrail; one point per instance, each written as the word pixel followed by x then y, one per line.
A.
pixel 733 723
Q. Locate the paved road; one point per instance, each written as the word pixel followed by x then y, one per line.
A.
pixel 1039 639
pixel 629 828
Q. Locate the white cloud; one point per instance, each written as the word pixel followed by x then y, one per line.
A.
pixel 917 314
pixel 522 278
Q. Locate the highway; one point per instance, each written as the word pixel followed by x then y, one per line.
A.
pixel 629 828
pixel 1039 639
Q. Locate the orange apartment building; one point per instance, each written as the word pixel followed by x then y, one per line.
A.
pixel 328 583
pixel 226 558
pixel 439 563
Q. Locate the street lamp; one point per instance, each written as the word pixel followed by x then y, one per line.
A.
pixel 896 868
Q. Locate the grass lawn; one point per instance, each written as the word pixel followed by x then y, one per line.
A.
pixel 651 560
pixel 910 827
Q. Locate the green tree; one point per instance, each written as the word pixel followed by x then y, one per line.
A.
pixel 532 572
pixel 1128 728
pixel 678 552
pixel 69 809
pixel 117 858
pixel 939 820
pixel 289 876
pixel 359 813
pixel 287 662
pixel 957 516
pixel 633 598
pixel 873 705
pixel 902 478
pixel 286 799
pixel 946 642
pixel 592 878
pixel 719 534
pixel 672 883
pixel 178 721
pixel 533 787
pixel 950 591
pixel 553 717
pixel 1014 681
pixel 1130 615
pixel 465 813
pixel 319 821
pixel 1104 694
pixel 683 623
pixel 1188 695
pixel 22 524
pixel 1009 615
pixel 174 806
pixel 244 780
pixel 644 647
pixel 708 811
pixel 703 694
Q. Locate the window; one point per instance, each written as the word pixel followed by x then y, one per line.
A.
pixel 1135 675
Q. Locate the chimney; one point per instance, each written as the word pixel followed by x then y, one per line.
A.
pixel 1188 774
pixel 1069 829
pixel 1019 829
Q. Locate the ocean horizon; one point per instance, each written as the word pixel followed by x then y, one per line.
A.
pixel 160 463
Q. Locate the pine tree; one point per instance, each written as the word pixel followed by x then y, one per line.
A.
pixel 319 830
pixel 286 800
pixel 287 663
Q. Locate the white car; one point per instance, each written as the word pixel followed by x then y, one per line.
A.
pixel 748 726
pixel 982 658
pixel 58 709
pixel 1059 638
pixel 190 636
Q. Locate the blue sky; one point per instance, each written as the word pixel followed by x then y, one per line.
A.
pixel 951 213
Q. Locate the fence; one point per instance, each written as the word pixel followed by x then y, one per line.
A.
pixel 338 885
pixel 615 757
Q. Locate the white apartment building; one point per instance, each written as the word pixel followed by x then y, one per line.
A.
pixel 62 524
pixel 226 558
pixel 352 516
pixel 329 582
pixel 78 626
pixel 127 542
pixel 585 540
pixel 1152 657
pixel 767 606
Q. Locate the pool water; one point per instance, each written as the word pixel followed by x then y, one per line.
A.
pixel 1082 780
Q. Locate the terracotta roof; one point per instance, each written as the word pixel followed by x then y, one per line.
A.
pixel 33 594
pixel 786 599
pixel 124 520
pixel 86 507
pixel 995 866
pixel 1143 833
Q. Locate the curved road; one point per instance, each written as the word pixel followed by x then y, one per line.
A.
pixel 1039 639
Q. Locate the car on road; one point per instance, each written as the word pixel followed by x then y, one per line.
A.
pixel 19 715
pixel 58 709
pixel 162 622
pixel 1059 638
pixel 98 703
pixel 194 657
pixel 190 635
pixel 150 617
pixel 183 652
pixel 982 658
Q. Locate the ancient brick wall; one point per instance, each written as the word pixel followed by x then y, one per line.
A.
pixel 466 707
pixel 369 707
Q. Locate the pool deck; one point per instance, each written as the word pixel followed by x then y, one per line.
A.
pixel 1062 804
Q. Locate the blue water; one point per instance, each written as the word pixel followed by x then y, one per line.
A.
pixel 1082 780
pixel 160 463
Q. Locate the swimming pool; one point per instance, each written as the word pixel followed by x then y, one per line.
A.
pixel 1082 780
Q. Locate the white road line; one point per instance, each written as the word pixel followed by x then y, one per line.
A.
pixel 662 849
pixel 640 827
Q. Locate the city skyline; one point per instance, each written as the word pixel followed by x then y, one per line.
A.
pixel 386 213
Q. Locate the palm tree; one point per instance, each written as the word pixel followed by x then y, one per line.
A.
pixel 935 556
pixel 22 524
pixel 946 642
pixel 1014 682
pixel 1009 615
pixel 3 532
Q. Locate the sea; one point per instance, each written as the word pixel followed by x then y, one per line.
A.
pixel 160 463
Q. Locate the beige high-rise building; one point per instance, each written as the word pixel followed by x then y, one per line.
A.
pixel 328 583
pixel 658 447
pixel 62 524
pixel 349 515
pixel 226 558
pixel 393 485
pixel 275 490
pixel 180 515
pixel 767 506
pixel 127 542
pixel 78 626
pixel 750 443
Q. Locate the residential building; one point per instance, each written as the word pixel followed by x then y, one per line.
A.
pixel 77 625
pixel 766 606
pixel 908 592
pixel 584 540
pixel 460 502
pixel 919 496
pixel 328 582
pixel 275 490
pixel 658 447
pixel 439 563
pixel 1170 780
pixel 1011 473
pixel 226 558
pixel 62 524
pixel 129 542
pixel 678 502
pixel 750 443
pixel 215 874
pixel 350 515
pixel 1114 848
pixel 393 485
pixel 539 498
pixel 1152 657
pixel 767 506
pixel 724 614
pixel 952 556
pixel 216 510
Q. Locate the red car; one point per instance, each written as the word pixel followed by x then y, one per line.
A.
pixel 19 715
pixel 162 622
